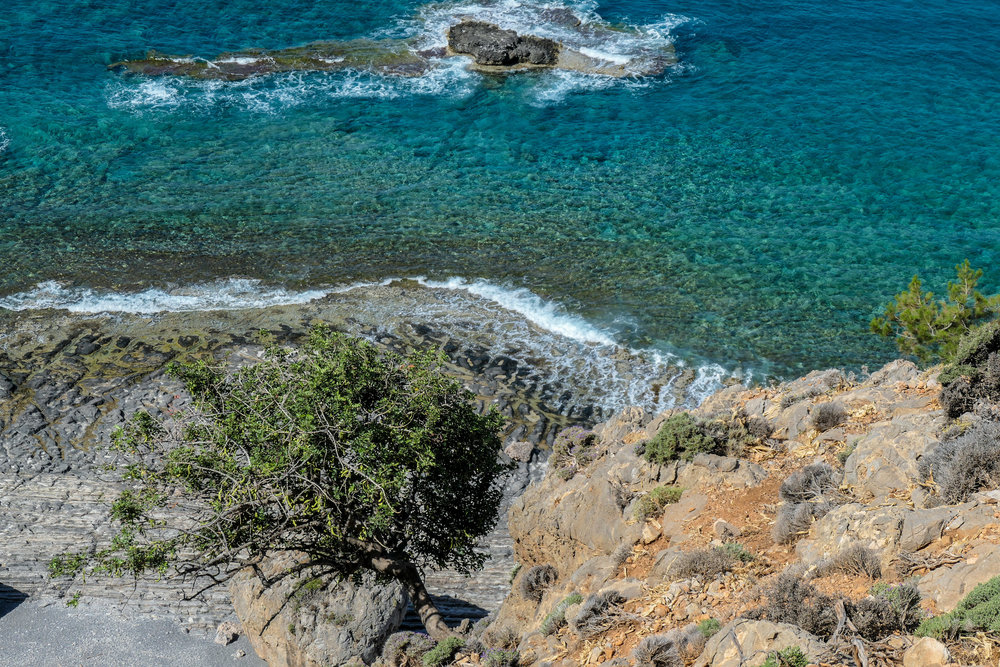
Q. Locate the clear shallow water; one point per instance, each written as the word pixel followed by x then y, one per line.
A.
pixel 753 206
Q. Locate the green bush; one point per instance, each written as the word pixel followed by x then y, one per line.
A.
pixel 979 611
pixel 737 551
pixel 680 437
pixel 787 657
pixel 929 329
pixel 555 619
pixel 709 627
pixel 443 652
pixel 499 657
pixel 653 502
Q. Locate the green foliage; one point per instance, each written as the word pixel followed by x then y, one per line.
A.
pixel 927 328
pixel 443 652
pixel 846 452
pixel 709 627
pixel 792 656
pixel 979 611
pixel 737 552
pixel 360 458
pixel 653 502
pixel 499 657
pixel 680 437
pixel 513 573
pixel 573 450
pixel 75 600
pixel 67 565
pixel 557 617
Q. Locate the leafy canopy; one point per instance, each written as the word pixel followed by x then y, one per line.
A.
pixel 353 455
pixel 927 328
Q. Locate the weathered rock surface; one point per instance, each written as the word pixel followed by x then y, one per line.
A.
pixel 755 639
pixel 886 459
pixel 489 44
pixel 301 621
pixel 926 652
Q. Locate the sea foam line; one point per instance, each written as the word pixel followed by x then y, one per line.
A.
pixel 230 294
pixel 4 139
pixel 574 347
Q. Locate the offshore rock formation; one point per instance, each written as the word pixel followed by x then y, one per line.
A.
pixel 491 45
pixel 492 48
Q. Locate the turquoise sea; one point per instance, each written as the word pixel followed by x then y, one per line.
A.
pixel 746 211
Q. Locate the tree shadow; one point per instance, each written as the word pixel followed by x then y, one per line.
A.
pixel 10 598
pixel 454 610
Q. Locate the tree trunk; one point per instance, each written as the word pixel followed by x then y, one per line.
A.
pixel 407 574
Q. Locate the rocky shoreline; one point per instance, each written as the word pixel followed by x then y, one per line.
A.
pixel 66 380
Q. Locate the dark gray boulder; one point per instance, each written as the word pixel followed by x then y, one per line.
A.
pixel 490 44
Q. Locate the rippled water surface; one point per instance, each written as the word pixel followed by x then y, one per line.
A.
pixel 752 206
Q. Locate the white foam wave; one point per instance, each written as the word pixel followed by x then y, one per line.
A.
pixel 231 294
pixel 571 360
pixel 4 140
pixel 547 315
pixel 275 93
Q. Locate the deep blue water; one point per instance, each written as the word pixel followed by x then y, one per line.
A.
pixel 754 205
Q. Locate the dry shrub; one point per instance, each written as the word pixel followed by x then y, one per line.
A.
pixel 809 494
pixel 671 649
pixel 966 464
pixel 858 559
pixel 701 563
pixel 598 613
pixel 814 481
pixel 536 580
pixel 828 415
pixel 792 600
pixel 889 609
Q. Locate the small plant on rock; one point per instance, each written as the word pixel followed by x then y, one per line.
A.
pixel 680 437
pixel 500 657
pixel 856 559
pixel 965 464
pixel 705 563
pixel 887 610
pixel 737 552
pixel 809 494
pixel 443 652
pixel 979 611
pixel 653 502
pixel 828 415
pixel 598 613
pixel 792 600
pixel 573 450
pixel 792 656
pixel 709 627
pixel 557 617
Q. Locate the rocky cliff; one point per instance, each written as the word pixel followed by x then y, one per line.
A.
pixel 822 530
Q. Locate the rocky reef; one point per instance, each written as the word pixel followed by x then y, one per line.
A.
pixel 492 48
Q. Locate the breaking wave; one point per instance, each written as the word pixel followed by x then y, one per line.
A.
pixel 562 349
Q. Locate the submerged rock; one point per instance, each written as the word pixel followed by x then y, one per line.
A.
pixel 489 44
pixel 387 56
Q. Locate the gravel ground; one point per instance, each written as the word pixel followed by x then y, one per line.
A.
pixel 53 635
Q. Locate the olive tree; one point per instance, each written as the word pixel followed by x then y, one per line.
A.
pixel 357 457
